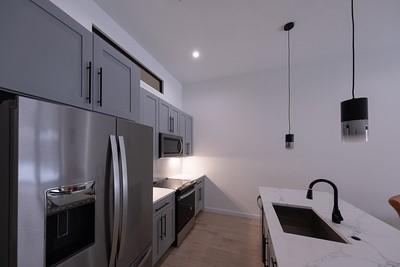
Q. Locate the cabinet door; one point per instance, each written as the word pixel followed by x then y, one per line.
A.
pixel 196 203
pixel 189 135
pixel 116 82
pixel 149 115
pixel 170 226
pixel 200 196
pixel 157 237
pixel 181 131
pixel 164 119
pixel 44 52
pixel 174 114
pixel 181 123
pixel 272 257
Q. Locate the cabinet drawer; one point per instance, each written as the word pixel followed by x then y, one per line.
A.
pixel 159 206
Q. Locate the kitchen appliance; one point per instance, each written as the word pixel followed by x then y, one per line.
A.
pixel 77 187
pixel 185 201
pixel 170 145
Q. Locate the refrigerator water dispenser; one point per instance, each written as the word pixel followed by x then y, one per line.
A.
pixel 70 221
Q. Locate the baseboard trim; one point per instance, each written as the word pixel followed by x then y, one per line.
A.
pixel 231 212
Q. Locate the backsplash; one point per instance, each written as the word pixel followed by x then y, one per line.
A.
pixel 166 167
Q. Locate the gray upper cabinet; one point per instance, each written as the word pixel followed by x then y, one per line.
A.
pixel 188 147
pixel 174 113
pixel 44 52
pixel 164 119
pixel 182 132
pixel 168 118
pixel 149 115
pixel 116 82
pixel 186 131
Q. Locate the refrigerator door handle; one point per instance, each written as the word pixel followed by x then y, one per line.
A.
pixel 124 215
pixel 117 204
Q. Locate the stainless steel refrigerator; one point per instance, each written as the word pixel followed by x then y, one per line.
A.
pixel 75 187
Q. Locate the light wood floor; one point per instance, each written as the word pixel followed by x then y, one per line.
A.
pixel 218 241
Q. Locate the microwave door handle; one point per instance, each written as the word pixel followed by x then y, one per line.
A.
pixel 181 151
pixel 124 215
pixel 179 147
pixel 117 196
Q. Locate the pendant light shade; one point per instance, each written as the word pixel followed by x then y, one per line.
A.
pixel 289 138
pixel 354 112
pixel 289 141
pixel 354 117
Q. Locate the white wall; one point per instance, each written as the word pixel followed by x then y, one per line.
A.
pixel 87 13
pixel 240 123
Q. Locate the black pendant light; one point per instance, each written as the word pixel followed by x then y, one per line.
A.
pixel 289 138
pixel 354 112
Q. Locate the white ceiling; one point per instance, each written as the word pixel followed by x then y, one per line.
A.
pixel 242 36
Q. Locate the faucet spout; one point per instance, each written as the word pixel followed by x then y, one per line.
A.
pixel 336 215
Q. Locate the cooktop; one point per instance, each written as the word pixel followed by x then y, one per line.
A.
pixel 172 183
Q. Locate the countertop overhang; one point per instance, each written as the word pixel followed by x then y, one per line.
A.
pixel 379 245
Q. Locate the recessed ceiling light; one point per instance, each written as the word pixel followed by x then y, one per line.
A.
pixel 196 54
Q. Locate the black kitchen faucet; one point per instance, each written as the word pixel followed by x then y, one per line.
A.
pixel 336 216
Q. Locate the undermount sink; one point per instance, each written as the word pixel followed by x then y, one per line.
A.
pixel 305 222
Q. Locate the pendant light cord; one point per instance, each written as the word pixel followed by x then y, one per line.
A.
pixel 289 81
pixel 353 46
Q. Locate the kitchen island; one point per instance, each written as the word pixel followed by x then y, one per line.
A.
pixel 379 243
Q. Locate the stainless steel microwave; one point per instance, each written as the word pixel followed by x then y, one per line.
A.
pixel 170 145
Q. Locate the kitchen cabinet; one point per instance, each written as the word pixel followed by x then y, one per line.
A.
pixel 188 147
pixel 116 82
pixel 149 115
pixel 199 192
pixel 163 226
pixel 44 52
pixel 269 258
pixel 186 131
pixel 168 118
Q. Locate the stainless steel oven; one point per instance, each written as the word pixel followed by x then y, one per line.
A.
pixel 185 209
pixel 170 145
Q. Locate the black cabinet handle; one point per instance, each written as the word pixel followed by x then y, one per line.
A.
pixel 165 225
pixel 161 226
pixel 89 96
pixel 100 101
pixel 173 124
pixel 170 125
pixel 200 194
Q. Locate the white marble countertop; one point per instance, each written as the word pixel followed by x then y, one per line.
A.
pixel 161 193
pixel 187 177
pixel 379 245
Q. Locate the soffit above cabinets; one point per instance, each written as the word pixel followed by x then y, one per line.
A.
pixel 236 36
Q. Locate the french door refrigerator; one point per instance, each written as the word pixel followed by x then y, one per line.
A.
pixel 75 186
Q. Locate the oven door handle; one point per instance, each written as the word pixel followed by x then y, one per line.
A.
pixel 186 195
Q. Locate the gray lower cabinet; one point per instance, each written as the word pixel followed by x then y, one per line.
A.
pixel 163 226
pixel 149 115
pixel 168 118
pixel 199 193
pixel 116 82
pixel 44 52
pixel 270 258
